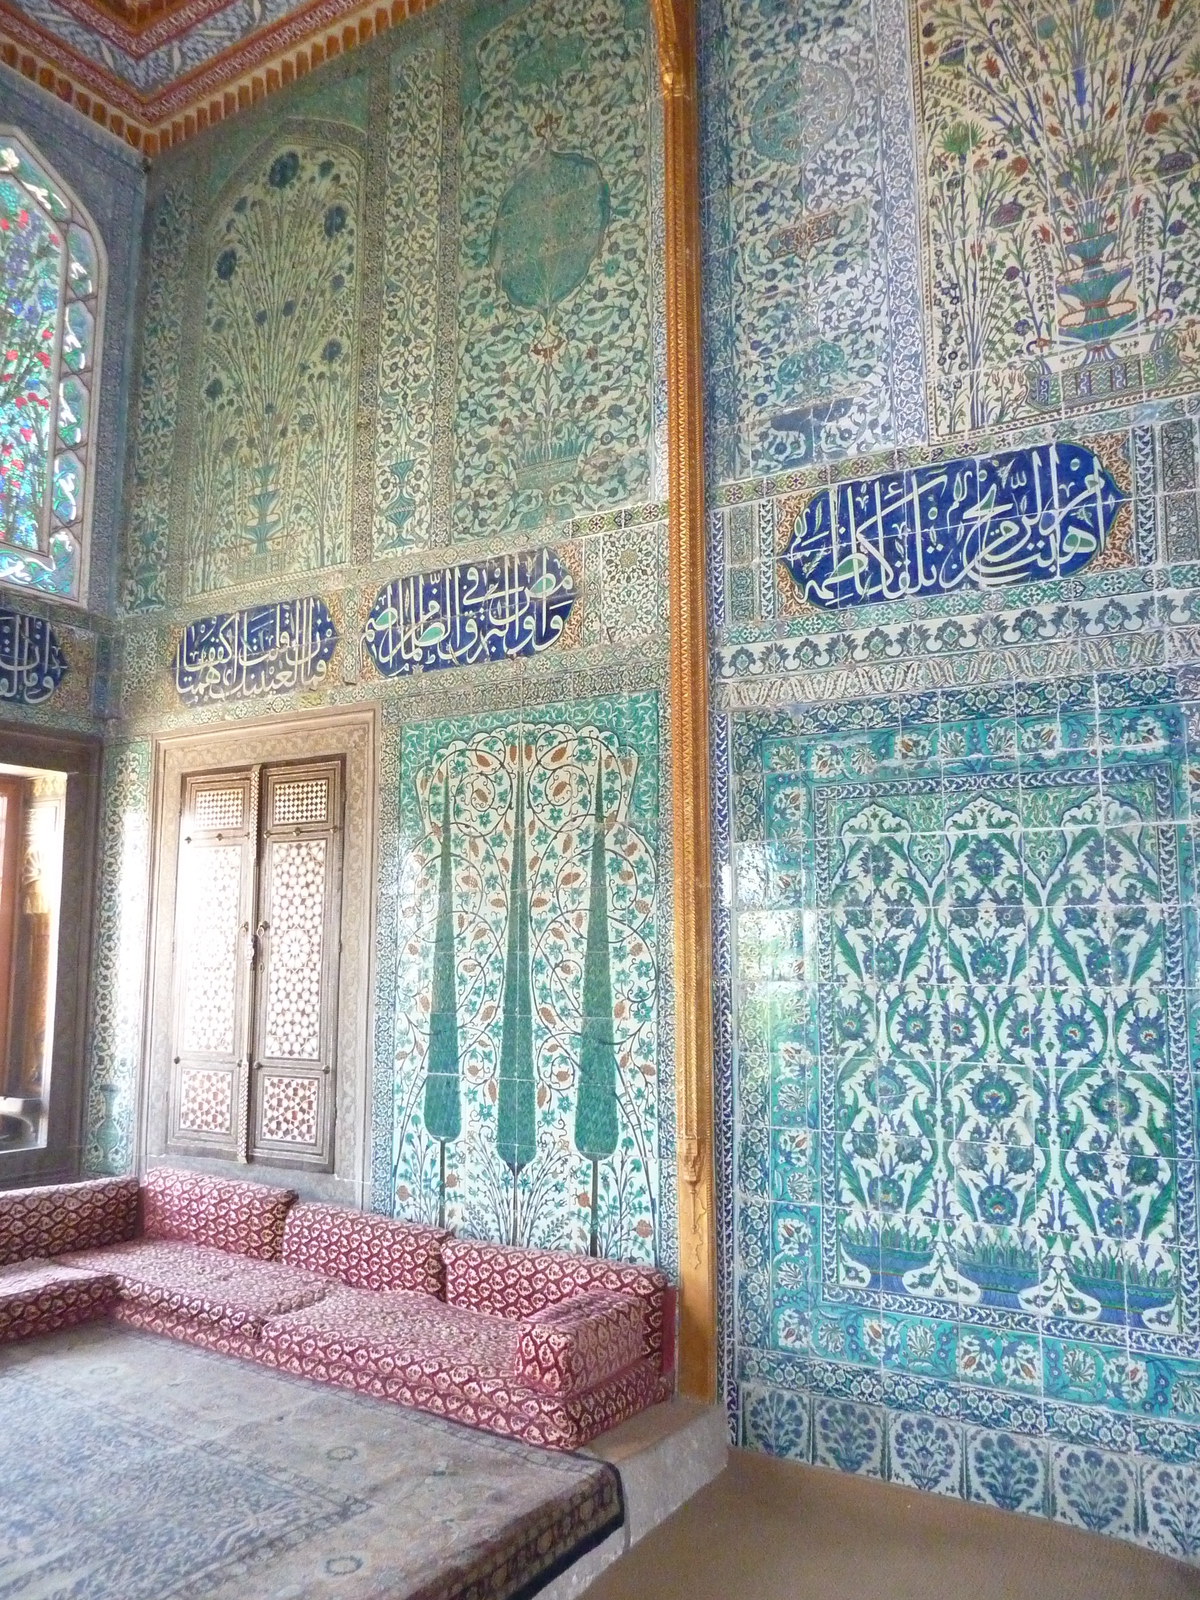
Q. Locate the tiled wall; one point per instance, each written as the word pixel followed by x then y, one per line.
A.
pixel 952 273
pixel 396 439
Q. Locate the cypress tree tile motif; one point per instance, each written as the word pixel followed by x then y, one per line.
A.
pixel 546 901
pixel 596 1104
pixel 443 1111
pixel 516 1123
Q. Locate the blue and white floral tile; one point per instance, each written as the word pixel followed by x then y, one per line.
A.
pixel 1006 1471
pixel 777 1422
pixel 850 1437
pixel 926 1453
pixel 1171 1498
pixel 1095 1489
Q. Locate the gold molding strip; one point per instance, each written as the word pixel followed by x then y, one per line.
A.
pixel 689 706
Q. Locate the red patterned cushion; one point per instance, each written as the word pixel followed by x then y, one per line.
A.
pixel 499 1404
pixel 66 1216
pixel 573 1346
pixel 519 1283
pixel 363 1250
pixel 243 1218
pixel 397 1332
pixel 211 1288
pixel 39 1296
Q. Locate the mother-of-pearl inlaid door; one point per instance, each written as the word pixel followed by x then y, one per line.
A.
pixel 258 906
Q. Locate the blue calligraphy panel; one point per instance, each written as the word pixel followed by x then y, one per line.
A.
pixel 1019 517
pixel 32 663
pixel 515 605
pixel 265 650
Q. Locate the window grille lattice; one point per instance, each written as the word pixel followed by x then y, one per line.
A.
pixel 219 808
pixel 304 801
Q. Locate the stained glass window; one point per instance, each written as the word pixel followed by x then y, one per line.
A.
pixel 51 287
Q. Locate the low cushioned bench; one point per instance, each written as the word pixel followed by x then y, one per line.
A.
pixel 542 1346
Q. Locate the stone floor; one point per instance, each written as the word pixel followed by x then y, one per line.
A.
pixel 774 1530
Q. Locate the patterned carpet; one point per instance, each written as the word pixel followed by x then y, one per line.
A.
pixel 134 1468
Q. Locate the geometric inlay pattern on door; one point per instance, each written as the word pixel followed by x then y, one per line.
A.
pixel 293 1019
pixel 304 800
pixel 213 902
pixel 289 1109
pixel 206 1102
pixel 218 808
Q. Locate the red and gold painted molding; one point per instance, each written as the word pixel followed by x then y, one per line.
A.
pixel 232 81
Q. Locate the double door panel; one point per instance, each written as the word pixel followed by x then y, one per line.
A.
pixel 257 922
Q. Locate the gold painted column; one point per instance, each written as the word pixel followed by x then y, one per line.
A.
pixel 689 705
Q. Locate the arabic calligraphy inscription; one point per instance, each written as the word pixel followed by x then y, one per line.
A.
pixel 1020 516
pixel 512 605
pixel 32 663
pixel 265 650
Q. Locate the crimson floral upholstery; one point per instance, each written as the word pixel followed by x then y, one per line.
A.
pixel 510 1282
pixel 197 1285
pixel 398 1330
pixel 364 1251
pixel 41 1296
pixel 245 1219
pixel 501 1405
pixel 567 1348
pixel 552 1349
pixel 60 1217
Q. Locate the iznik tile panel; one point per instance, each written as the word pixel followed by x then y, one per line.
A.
pixel 530 1102
pixel 811 294
pixel 268 481
pixel 1060 274
pixel 963 931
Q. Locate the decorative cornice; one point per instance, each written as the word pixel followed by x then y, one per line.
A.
pixel 232 81
pixel 689 705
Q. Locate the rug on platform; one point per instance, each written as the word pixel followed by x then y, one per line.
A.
pixel 135 1468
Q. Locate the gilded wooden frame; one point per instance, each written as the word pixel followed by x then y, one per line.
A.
pixel 675 23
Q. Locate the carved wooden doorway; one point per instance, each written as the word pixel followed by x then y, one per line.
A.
pixel 257 944
pixel 258 997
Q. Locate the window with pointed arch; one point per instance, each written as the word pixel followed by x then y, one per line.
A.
pixel 51 297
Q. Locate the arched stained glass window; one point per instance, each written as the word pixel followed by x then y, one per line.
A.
pixel 51 294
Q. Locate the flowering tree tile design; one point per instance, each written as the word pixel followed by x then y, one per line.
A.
pixel 271 462
pixel 1060 158
pixel 507 1089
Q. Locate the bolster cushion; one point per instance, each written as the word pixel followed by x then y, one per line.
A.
pixel 509 1282
pixel 362 1250
pixel 66 1216
pixel 245 1219
pixel 573 1346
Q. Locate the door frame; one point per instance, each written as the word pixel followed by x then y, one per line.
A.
pixel 79 756
pixel 353 734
